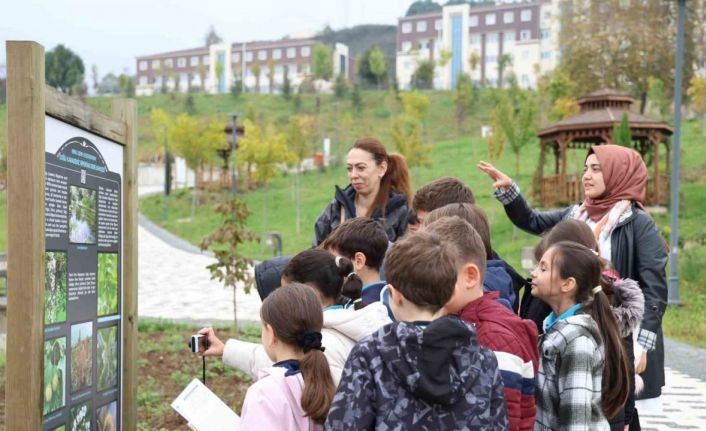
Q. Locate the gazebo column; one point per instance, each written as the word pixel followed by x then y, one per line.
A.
pixel 563 142
pixel 656 192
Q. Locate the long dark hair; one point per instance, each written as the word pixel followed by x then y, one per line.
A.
pixel 332 276
pixel 581 263
pixel 396 177
pixel 292 311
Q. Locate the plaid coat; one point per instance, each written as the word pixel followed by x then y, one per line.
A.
pixel 569 377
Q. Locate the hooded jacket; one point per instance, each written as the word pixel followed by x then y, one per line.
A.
pixel 497 279
pixel 394 220
pixel 343 328
pixel 405 377
pixel 274 403
pixel 514 342
pixel 569 378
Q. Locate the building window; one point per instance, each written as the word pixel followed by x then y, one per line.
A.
pixel 509 17
pixel 143 80
pixel 525 80
pixel 279 70
pixel 421 26
pixel 547 15
pixel 276 54
pixel 206 60
pixel 248 56
pixel 305 69
pixel 491 58
pixel 406 27
pixel 236 57
pixel 169 63
pixel 490 19
pixel 438 25
pixel 473 21
pixel 509 36
pixel 291 52
pixel 262 55
pixel 475 39
pixel 526 15
pixel 406 46
pixel 525 54
pixel 492 38
pixel 143 65
pixel 546 55
pixel 181 62
pixel 306 51
pixel 525 35
pixel 155 64
pixel 293 68
pixel 544 34
pixel 194 61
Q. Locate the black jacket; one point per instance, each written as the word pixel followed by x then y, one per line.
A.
pixel 637 252
pixel 394 221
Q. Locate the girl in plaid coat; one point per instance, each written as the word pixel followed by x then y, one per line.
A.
pixel 583 371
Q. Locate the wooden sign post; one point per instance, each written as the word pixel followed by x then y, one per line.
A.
pixel 72 255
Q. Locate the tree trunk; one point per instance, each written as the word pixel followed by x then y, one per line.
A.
pixel 193 202
pixel 643 102
pixel 235 312
pixel 298 200
pixel 517 165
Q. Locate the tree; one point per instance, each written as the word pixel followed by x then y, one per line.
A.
pixel 300 133
pixel 473 61
pixel 340 88
pixel 422 7
pixel 161 123
pixel 271 75
pixel 286 84
pixel 127 85
pixel 463 99
pixel 516 114
pixel 622 135
pixel 212 37
pixel 322 62
pixel 189 104
pixel 378 63
pixel 564 107
pixel 496 140
pixel 94 76
pixel 256 71
pixel 237 87
pixel 423 77
pixel 109 85
pixel 697 93
pixel 504 61
pixel 220 68
pixel 357 99
pixel 201 68
pixel 658 99
pixel 231 267
pixel 407 129
pixel 631 46
pixel 63 69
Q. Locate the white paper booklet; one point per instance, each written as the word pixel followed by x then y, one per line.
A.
pixel 204 410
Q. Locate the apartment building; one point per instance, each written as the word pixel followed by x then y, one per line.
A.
pixel 526 31
pixel 216 68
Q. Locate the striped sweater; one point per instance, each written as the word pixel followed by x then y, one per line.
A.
pixel 514 342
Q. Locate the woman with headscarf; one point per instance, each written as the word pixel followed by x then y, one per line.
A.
pixel 615 185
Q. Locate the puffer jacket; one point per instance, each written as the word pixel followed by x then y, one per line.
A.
pixel 408 377
pixel 394 219
pixel 343 328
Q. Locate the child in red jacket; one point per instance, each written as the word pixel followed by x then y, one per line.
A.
pixel 513 340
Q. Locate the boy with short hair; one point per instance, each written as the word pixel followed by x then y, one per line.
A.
pixel 440 192
pixel 426 371
pixel 512 339
pixel 363 241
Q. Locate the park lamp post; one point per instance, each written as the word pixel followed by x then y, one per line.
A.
pixel 673 292
pixel 233 147
pixel 167 176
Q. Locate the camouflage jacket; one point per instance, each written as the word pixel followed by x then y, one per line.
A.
pixel 408 377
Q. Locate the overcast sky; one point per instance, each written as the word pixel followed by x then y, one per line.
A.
pixel 110 34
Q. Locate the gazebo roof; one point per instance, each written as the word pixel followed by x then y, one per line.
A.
pixel 604 109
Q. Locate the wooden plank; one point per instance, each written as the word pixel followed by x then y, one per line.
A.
pixel 74 112
pixel 25 203
pixel 125 111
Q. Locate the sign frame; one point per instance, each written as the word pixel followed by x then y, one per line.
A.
pixel 29 101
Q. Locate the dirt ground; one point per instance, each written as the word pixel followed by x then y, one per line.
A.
pixel 166 366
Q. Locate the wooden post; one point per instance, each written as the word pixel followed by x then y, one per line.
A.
pixel 657 199
pixel 25 266
pixel 125 110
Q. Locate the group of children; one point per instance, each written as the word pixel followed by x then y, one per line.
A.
pixel 438 344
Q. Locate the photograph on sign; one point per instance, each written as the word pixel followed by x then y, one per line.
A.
pixel 54 374
pixel 81 417
pixel 105 417
pixel 107 357
pixel 81 355
pixel 82 222
pixel 55 286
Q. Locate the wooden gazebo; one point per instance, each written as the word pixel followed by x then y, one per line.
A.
pixel 594 125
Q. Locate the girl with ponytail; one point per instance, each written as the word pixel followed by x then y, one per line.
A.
pixel 295 393
pixel 581 345
pixel 379 188
pixel 330 278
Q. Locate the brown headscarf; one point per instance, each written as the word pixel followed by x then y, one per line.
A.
pixel 625 177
